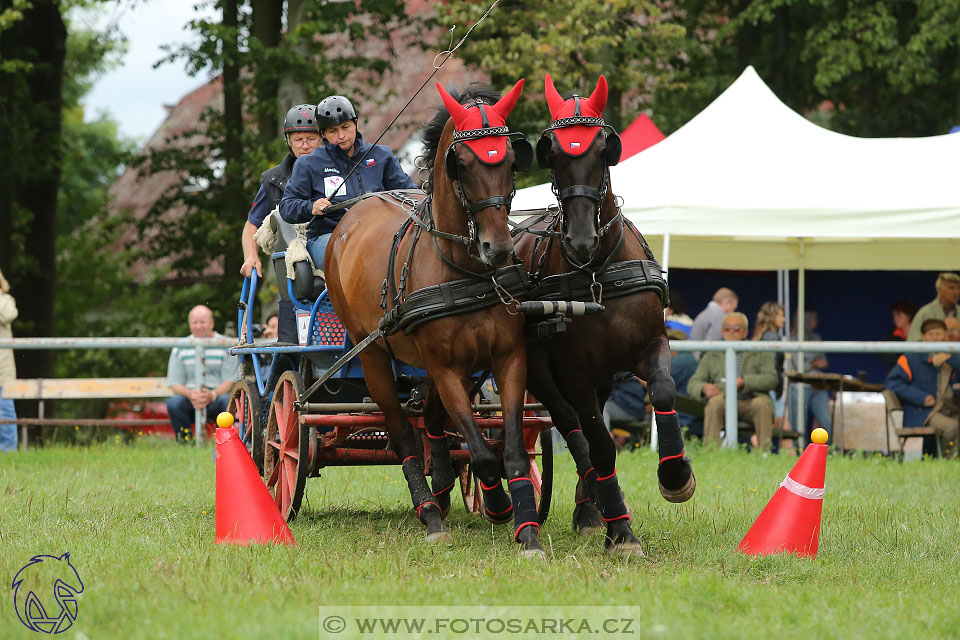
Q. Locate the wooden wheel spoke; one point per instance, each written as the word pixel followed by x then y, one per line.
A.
pixel 274 474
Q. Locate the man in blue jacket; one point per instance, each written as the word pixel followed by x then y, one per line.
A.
pixel 924 383
pixel 317 180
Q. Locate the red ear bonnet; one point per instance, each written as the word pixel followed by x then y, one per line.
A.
pixel 576 139
pixel 490 149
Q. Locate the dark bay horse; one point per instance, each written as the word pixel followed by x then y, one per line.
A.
pixel 589 252
pixel 465 214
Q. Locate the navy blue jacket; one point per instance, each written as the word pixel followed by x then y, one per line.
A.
pixel 318 175
pixel 913 378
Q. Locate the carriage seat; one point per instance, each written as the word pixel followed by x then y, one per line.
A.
pixel 293 261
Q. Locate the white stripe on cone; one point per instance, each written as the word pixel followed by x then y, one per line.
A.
pixel 801 490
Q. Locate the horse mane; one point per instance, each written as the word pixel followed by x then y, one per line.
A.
pixel 434 129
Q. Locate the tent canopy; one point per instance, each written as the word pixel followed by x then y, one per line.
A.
pixel 750 184
pixel 641 134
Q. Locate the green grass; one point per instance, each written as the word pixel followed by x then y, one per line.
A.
pixel 139 523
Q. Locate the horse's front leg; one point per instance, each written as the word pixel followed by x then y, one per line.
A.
pixel 378 375
pixel 540 381
pixel 511 377
pixel 443 477
pixel 450 385
pixel 675 473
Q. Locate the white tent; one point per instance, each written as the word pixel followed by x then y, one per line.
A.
pixel 750 184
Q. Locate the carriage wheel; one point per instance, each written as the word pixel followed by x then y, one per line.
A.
pixel 541 473
pixel 285 452
pixel 245 406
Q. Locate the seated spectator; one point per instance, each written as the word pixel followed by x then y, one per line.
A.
pixel 924 384
pixel 627 403
pixel 953 329
pixel 942 307
pixel 707 324
pixel 816 402
pixel 756 377
pixel 271 326
pixel 213 392
pixel 682 366
pixel 677 316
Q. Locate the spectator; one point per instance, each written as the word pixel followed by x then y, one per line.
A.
pixel 923 382
pixel 903 312
pixel 756 377
pixel 707 325
pixel 213 392
pixel 953 329
pixel 816 402
pixel 769 327
pixel 627 403
pixel 682 366
pixel 270 328
pixel 941 307
pixel 676 314
pixel 8 369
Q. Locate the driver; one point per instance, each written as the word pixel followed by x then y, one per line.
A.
pixel 302 137
pixel 317 180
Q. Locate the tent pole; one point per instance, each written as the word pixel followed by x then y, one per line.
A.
pixel 801 425
pixel 665 268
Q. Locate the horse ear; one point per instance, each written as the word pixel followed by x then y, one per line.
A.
pixel 544 147
pixel 554 99
pixel 522 154
pixel 614 149
pixel 454 108
pixel 451 162
pixel 505 104
pixel 598 99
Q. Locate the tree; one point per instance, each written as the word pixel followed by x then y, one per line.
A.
pixel 33 48
pixel 198 222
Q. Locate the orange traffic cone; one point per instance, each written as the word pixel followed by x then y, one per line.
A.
pixel 791 520
pixel 245 511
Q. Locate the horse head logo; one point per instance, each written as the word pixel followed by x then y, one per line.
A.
pixel 35 580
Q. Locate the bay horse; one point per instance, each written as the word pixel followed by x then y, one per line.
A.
pixel 466 214
pixel 589 251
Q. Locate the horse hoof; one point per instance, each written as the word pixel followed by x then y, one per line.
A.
pixel 626 549
pixel 682 494
pixel 439 536
pixel 534 554
pixel 586 519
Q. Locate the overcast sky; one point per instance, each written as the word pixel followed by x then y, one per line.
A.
pixel 135 93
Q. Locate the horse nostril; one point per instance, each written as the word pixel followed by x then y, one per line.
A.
pixel 487 249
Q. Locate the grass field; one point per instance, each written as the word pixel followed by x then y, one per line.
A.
pixel 139 524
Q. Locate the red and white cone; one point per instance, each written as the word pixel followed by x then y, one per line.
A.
pixel 790 523
pixel 245 510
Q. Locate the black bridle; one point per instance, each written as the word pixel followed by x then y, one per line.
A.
pixel 523 158
pixel 614 148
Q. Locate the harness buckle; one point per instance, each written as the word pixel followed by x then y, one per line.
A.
pixel 511 303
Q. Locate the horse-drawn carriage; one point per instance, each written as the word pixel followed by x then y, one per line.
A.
pixel 465 300
pixel 298 428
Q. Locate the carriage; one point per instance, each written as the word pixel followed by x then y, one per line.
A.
pixel 320 414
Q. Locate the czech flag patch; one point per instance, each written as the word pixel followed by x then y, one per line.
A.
pixel 370 162
pixel 574 145
pixel 492 153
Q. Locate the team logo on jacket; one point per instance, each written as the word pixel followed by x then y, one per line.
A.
pixel 370 162
pixel 331 170
pixel 330 185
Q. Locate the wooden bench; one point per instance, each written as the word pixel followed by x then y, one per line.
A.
pixel 42 389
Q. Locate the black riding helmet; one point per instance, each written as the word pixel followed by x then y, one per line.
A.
pixel 302 117
pixel 333 110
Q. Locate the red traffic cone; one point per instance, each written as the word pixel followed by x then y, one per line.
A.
pixel 245 511
pixel 791 520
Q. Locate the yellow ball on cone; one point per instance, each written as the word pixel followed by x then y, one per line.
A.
pixel 225 420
